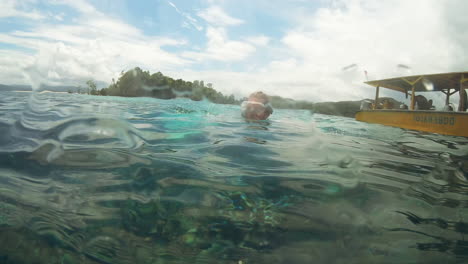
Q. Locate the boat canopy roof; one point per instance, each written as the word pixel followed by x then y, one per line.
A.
pixel 423 83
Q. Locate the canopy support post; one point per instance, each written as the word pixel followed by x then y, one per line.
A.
pixel 462 93
pixel 412 97
pixel 376 101
pixel 447 98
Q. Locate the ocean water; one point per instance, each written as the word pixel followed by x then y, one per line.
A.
pixel 90 179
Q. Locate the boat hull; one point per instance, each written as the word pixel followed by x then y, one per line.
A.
pixel 445 123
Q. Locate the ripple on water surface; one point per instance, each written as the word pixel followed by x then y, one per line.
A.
pixel 89 179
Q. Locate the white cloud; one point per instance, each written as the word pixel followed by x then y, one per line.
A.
pixel 81 5
pixel 12 65
pixel 11 8
pixel 370 34
pixel 99 59
pixel 261 40
pixel 283 65
pixel 58 17
pixel 97 47
pixel 216 16
pixel 367 33
pixel 219 48
pixel 309 64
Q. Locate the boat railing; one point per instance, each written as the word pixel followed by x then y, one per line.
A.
pixel 414 111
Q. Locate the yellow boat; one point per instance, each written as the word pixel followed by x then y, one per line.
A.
pixel 450 122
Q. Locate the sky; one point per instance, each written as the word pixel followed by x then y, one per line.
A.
pixel 314 50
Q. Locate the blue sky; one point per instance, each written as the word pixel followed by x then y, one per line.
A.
pixel 297 48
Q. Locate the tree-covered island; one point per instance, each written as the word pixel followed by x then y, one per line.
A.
pixel 137 83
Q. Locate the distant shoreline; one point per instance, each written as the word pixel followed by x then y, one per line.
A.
pixel 167 88
pixel 340 108
pixel 41 92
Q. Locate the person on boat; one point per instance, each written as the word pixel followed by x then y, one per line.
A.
pixel 422 103
pixel 387 104
pixel 448 108
pixel 257 107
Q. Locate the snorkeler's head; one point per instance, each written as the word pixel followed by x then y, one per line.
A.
pixel 257 107
pixel 259 97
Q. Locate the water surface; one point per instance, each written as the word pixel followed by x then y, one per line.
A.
pixel 90 179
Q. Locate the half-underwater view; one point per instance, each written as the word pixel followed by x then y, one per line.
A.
pixel 233 131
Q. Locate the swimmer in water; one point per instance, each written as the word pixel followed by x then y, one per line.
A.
pixel 257 107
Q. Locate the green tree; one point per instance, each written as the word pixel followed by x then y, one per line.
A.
pixel 92 88
pixel 103 91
